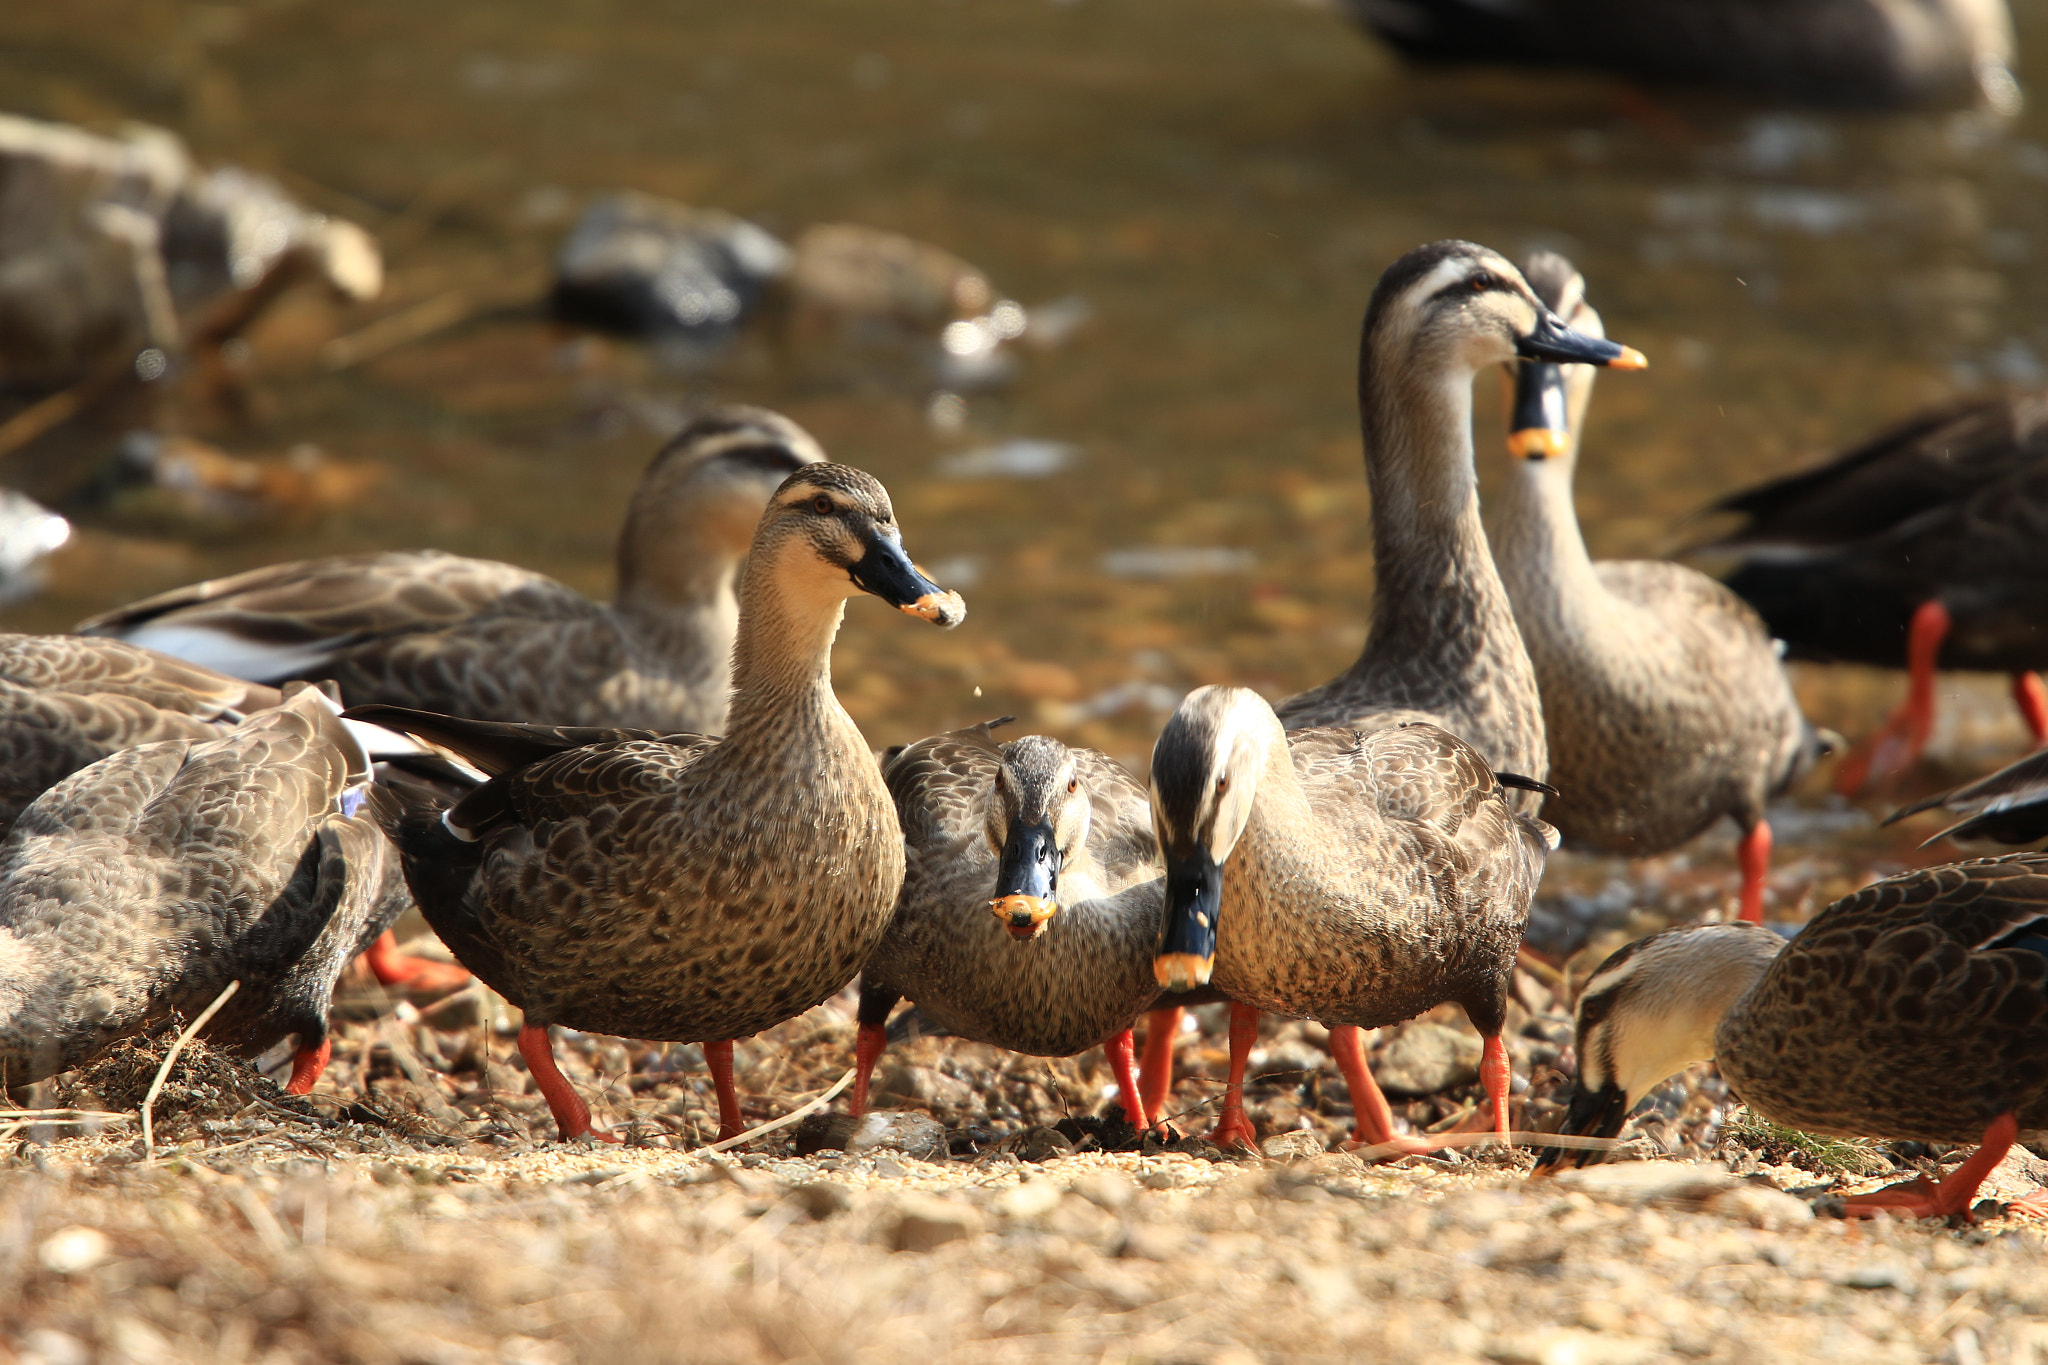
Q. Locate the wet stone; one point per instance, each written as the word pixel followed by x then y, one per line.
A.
pixel 655 268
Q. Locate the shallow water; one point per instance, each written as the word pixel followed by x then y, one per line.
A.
pixel 1218 181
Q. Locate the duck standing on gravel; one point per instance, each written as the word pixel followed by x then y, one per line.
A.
pixel 1665 705
pixel 1443 648
pixel 140 886
pixel 1915 1009
pixel 677 887
pixel 1925 546
pixel 1030 908
pixel 67 701
pixel 491 641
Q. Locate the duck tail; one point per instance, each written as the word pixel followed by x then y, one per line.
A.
pixel 440 867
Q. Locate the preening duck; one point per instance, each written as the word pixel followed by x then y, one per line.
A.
pixel 676 887
pixel 1854 53
pixel 141 885
pixel 67 701
pixel 1665 706
pixel 1916 1009
pixel 1926 546
pixel 1353 877
pixel 1443 647
pixel 1030 907
pixel 490 641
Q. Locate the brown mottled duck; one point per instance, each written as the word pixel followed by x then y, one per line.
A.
pixel 1914 1009
pixel 141 885
pixel 1030 908
pixel 1353 877
pixel 490 641
pixel 677 887
pixel 1443 647
pixel 1665 705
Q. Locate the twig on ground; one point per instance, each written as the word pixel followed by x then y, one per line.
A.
pixel 791 1117
pixel 156 1086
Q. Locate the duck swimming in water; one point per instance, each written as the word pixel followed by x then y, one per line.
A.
pixel 677 887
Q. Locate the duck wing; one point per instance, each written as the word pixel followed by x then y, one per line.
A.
pixel 2008 807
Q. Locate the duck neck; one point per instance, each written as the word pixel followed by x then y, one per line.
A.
pixel 782 655
pixel 1437 595
pixel 1278 837
pixel 1541 553
pixel 678 592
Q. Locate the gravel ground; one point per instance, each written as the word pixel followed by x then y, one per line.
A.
pixel 408 1212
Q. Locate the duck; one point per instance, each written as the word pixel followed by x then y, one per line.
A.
pixel 1353 877
pixel 1844 53
pixel 67 701
pixel 1030 907
pixel 1915 1009
pixel 489 641
pixel 2009 806
pixel 1443 646
pixel 678 887
pixel 137 888
pixel 1665 704
pixel 1923 547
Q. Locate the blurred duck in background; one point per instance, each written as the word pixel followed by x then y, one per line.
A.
pixel 1915 1009
pixel 1872 54
pixel 1030 906
pixel 1925 546
pixel 1664 701
pixel 490 641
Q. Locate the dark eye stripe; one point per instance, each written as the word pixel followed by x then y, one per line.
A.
pixel 1477 284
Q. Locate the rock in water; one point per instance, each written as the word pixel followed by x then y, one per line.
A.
pixel 654 268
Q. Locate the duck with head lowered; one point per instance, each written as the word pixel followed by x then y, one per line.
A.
pixel 1030 910
pixel 1430 747
pixel 676 887
pixel 1915 1009
pixel 1665 705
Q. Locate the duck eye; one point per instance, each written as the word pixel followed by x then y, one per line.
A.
pixel 1073 786
pixel 1222 785
pixel 1479 284
pixel 822 505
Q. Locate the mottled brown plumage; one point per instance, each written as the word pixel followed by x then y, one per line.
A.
pixel 1665 704
pixel 67 701
pixel 1365 876
pixel 143 884
pixel 1915 1008
pixel 476 638
pixel 1086 973
pixel 1443 646
pixel 678 887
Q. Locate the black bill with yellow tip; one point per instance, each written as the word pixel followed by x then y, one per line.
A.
pixel 1538 425
pixel 1593 1113
pixel 1187 943
pixel 1551 340
pixel 1027 879
pixel 887 572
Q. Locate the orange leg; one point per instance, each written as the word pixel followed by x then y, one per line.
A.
pixel 867 1050
pixel 1498 1075
pixel 394 968
pixel 1957 1190
pixel 307 1064
pixel 1897 744
pixel 718 1056
pixel 1118 1050
pixel 1754 854
pixel 2032 697
pixel 572 1115
pixel 1155 1076
pixel 1234 1129
pixel 1372 1117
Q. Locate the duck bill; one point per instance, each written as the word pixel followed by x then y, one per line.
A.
pixel 887 572
pixel 1551 340
pixel 1194 896
pixel 1593 1113
pixel 1538 428
pixel 1027 880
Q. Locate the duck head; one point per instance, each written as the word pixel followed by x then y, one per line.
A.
pixel 830 528
pixel 1452 308
pixel 1205 773
pixel 1038 822
pixel 1548 406
pixel 1650 1011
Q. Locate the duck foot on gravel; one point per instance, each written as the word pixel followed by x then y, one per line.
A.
pixel 1957 1191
